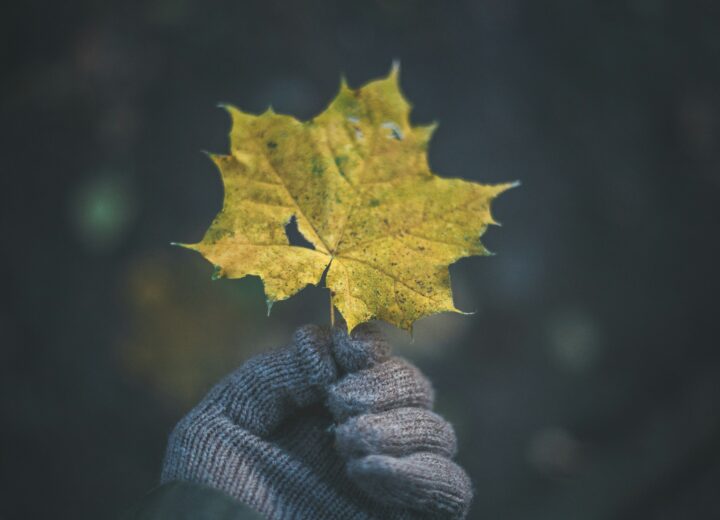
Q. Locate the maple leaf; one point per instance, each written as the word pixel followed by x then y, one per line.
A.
pixel 356 178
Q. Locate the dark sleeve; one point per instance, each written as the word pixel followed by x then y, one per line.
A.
pixel 187 501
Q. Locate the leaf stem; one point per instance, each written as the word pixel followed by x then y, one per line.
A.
pixel 332 310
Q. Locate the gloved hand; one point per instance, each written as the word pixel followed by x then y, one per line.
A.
pixel 330 427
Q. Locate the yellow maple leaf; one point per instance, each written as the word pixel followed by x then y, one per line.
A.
pixel 357 181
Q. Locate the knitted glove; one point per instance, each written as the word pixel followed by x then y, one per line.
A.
pixel 330 427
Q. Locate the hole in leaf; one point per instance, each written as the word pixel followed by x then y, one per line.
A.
pixel 294 236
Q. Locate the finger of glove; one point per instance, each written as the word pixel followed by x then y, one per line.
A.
pixel 425 482
pixel 392 384
pixel 271 386
pixel 363 348
pixel 207 447
pixel 396 432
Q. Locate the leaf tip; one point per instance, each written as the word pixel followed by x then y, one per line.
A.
pixel 217 273
pixel 502 188
pixel 395 70
pixel 427 131
pixel 344 83
pixel 230 109
pixel 498 189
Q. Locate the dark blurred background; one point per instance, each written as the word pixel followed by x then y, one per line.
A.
pixel 587 384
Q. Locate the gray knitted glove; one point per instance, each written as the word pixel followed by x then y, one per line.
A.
pixel 330 427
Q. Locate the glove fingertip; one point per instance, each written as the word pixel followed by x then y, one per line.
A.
pixel 363 348
pixel 352 440
pixel 424 482
pixel 397 432
pixel 314 351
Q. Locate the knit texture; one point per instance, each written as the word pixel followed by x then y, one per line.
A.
pixel 330 427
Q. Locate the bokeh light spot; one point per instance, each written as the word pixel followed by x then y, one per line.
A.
pixel 574 340
pixel 101 210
